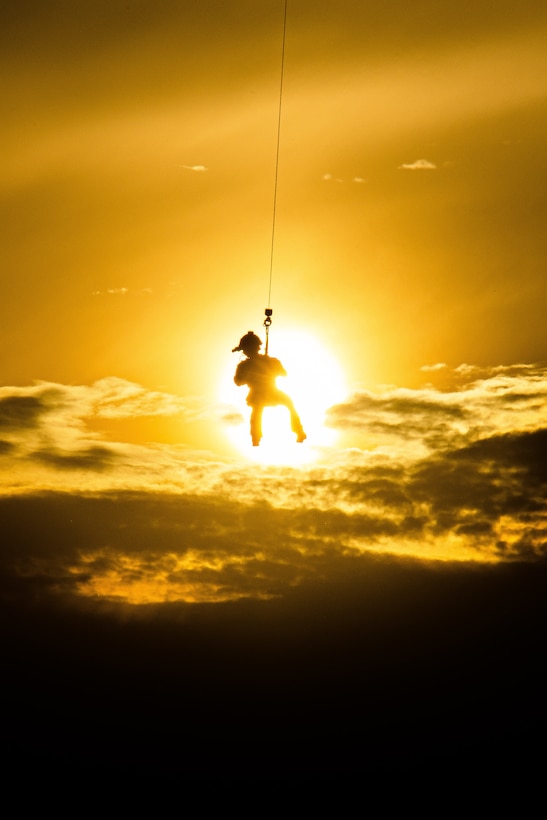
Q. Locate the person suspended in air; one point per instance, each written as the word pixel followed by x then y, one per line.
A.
pixel 260 371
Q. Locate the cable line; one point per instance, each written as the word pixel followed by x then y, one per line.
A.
pixel 268 311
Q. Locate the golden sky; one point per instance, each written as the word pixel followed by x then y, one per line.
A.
pixel 137 189
pixel 174 602
pixel 137 185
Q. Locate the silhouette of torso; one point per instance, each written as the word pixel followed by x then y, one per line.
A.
pixel 259 373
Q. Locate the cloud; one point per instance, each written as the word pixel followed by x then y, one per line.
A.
pixel 259 536
pixel 426 368
pixel 113 397
pixel 111 292
pixel 418 165
pixel 197 168
pixel 482 403
pixel 20 411
pixel 524 453
pixel 492 491
pixel 332 178
pixel 120 292
pixel 50 426
pixel 455 475
pixel 90 458
pixel 232 418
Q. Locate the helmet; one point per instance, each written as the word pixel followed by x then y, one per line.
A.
pixel 250 343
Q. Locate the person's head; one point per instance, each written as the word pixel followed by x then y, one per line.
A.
pixel 250 344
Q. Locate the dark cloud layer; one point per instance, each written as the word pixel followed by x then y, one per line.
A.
pixel 525 453
pixel 91 458
pixel 20 411
pixel 488 498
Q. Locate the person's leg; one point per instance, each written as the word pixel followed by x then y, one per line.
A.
pixel 256 424
pixel 296 424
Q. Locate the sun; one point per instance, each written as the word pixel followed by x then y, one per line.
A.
pixel 314 382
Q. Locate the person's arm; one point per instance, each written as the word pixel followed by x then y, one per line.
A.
pixel 279 369
pixel 239 377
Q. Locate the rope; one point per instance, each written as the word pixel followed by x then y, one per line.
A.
pixel 277 154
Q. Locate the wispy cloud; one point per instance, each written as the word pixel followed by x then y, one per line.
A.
pixel 197 168
pixel 111 292
pixel 418 165
pixel 113 397
pixel 331 178
pixel 427 368
pixel 120 292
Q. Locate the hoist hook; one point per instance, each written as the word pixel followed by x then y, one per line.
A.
pixel 267 323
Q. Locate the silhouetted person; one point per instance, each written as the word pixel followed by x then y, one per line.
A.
pixel 259 372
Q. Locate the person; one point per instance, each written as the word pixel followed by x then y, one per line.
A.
pixel 260 371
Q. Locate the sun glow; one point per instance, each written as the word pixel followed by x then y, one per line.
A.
pixel 314 382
